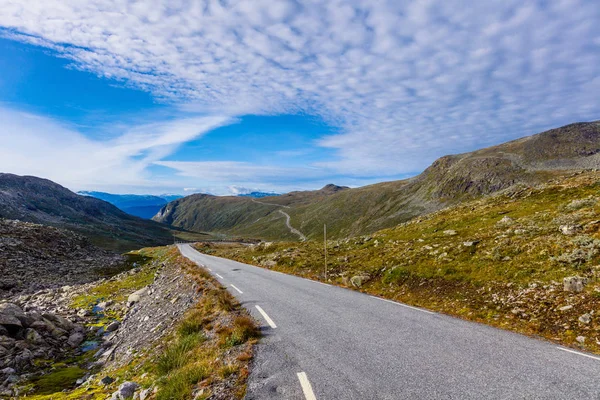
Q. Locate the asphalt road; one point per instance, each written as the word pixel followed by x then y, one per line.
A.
pixel 325 342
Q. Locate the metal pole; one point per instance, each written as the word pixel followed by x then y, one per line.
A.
pixel 325 246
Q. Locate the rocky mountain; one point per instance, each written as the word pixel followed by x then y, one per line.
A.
pixel 32 199
pixel 143 206
pixel 258 195
pixel 349 212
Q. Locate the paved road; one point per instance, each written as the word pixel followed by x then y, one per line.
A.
pixel 333 343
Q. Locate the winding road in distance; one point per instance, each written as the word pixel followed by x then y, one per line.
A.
pixel 325 342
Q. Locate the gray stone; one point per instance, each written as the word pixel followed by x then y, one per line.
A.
pixel 580 339
pixel 506 220
pixel 569 229
pixel 126 390
pixel 470 243
pixel 145 394
pixel 107 380
pixel 359 280
pixel 565 308
pixel 574 283
pixel 7 371
pixel 450 232
pixel 75 339
pixel 585 318
pixel 11 315
pixel 113 326
pixel 33 336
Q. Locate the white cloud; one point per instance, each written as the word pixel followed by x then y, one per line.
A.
pixel 406 81
pixel 33 145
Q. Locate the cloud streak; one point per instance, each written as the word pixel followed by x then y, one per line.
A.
pixel 405 81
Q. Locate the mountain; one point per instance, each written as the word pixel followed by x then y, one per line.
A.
pixel 348 212
pixel 258 195
pixel 143 206
pixel 32 199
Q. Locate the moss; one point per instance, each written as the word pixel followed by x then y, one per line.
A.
pixel 56 381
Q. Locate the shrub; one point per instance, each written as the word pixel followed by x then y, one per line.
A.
pixel 180 384
pixel 176 355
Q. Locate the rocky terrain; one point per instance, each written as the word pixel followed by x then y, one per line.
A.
pixel 31 199
pixel 114 337
pixel 351 212
pixel 35 257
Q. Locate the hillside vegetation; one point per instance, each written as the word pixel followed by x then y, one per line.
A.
pixel 350 212
pixel 31 199
pixel 501 260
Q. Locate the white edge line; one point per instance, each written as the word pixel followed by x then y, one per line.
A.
pixel 578 353
pixel 403 305
pixel 219 276
pixel 306 386
pixel 239 291
pixel 266 317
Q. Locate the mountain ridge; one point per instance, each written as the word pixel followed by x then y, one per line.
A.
pixel 349 212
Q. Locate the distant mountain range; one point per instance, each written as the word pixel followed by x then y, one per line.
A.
pixel 348 212
pixel 41 201
pixel 143 206
pixel 258 195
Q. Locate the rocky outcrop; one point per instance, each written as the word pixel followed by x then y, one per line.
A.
pixel 35 257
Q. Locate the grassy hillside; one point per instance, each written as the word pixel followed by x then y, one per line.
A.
pixel 350 212
pixel 37 200
pixel 499 260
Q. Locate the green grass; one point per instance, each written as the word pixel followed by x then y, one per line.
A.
pixel 58 380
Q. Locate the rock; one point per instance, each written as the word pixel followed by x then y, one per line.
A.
pixel 450 232
pixel 107 380
pixel 565 308
pixel 23 360
pixel 8 371
pixel 113 326
pixel 11 316
pixel 135 297
pixel 574 283
pixel 580 339
pixel 82 312
pixel 470 243
pixel 3 351
pixel 506 220
pixel 359 280
pixel 75 339
pixel 145 394
pixel 585 318
pixel 126 390
pixel 59 321
pixel 569 229
pixel 34 337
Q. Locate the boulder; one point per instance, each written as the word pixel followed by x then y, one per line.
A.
pixel 569 229
pixel 574 283
pixel 359 280
pixel 3 351
pixel 125 391
pixel 450 232
pixel 59 321
pixel 75 339
pixel 135 297
pixel 107 380
pixel 585 318
pixel 506 220
pixel 34 337
pixel 11 316
pixel 113 326
pixel 580 339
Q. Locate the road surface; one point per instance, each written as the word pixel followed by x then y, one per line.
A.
pixel 325 342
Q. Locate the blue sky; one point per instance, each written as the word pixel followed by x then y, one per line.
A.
pixel 225 97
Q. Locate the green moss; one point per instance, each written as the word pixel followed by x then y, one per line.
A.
pixel 56 381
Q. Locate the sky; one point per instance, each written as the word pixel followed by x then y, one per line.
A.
pixel 226 97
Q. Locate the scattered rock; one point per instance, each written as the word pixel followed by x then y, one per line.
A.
pixel 145 394
pixel 506 220
pixel 580 339
pixel 359 280
pixel 125 391
pixel 113 326
pixel 574 283
pixel 450 232
pixel 585 318
pixel 470 243
pixel 565 308
pixel 107 380
pixel 570 229
pixel 75 339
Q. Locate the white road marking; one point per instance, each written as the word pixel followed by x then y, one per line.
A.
pixel 209 269
pixel 266 317
pixel 219 276
pixel 306 387
pixel 239 291
pixel 403 305
pixel 578 353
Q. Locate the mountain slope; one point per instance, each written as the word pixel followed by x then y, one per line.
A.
pixel 37 200
pixel 143 206
pixel 449 180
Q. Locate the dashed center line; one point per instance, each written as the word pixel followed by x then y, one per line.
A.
pixel 578 353
pixel 219 276
pixel 266 317
pixel 403 305
pixel 239 291
pixel 306 386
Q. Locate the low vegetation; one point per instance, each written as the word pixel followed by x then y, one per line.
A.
pixel 206 354
pixel 499 260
